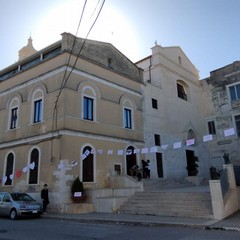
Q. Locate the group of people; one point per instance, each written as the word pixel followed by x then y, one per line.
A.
pixel 143 172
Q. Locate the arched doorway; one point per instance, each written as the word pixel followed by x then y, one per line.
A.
pixel 131 159
pixel 88 165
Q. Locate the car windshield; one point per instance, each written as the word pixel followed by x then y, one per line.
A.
pixel 21 197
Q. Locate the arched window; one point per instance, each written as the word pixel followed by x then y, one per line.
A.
pixel 13 113
pixel 191 134
pixel 182 90
pixel 9 169
pixel 131 159
pixel 88 103
pixel 87 164
pixel 128 112
pixel 37 106
pixel 34 167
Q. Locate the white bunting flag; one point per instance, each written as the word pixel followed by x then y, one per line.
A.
pixel 84 155
pixel 136 151
pixel 144 150
pixel 229 132
pixel 32 165
pixel 208 137
pixel 110 152
pixel 74 163
pixel 190 142
pixel 129 152
pixel 100 151
pixel 153 149
pixel 4 179
pixel 177 145
pixel 164 147
pixel 120 152
pixel 25 169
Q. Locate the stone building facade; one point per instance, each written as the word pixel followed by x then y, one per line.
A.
pixel 222 89
pixel 174 119
pixel 71 109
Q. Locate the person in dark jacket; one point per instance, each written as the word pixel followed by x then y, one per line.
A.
pixel 144 168
pixel 44 197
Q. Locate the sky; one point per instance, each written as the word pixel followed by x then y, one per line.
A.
pixel 206 30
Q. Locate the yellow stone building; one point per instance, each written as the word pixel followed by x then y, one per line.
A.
pixel 71 109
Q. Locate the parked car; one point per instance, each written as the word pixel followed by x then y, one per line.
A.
pixel 19 205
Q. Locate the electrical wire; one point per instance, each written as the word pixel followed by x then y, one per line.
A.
pixel 65 72
pixel 65 79
pixel 84 41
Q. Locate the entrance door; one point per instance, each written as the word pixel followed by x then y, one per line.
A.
pixel 131 159
pixel 159 165
pixel 191 161
pixel 88 166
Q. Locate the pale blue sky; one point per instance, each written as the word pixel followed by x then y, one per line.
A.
pixel 206 30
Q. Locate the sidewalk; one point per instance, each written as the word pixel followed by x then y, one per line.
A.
pixel 230 223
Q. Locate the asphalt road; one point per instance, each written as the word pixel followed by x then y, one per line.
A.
pixel 53 229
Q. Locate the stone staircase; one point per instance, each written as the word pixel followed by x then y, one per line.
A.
pixel 174 197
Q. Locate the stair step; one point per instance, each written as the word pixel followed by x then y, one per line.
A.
pixel 170 198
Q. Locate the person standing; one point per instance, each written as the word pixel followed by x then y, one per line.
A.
pixel 148 171
pixel 144 168
pixel 44 197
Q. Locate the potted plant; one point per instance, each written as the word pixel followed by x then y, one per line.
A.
pixel 77 191
pixel 192 167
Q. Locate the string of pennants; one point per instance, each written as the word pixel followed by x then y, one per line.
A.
pixel 154 149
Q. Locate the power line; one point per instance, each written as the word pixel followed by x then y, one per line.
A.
pixel 65 72
pixel 66 78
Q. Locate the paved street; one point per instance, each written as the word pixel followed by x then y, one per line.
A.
pixel 59 229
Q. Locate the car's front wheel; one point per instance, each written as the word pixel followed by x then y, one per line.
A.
pixel 13 214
